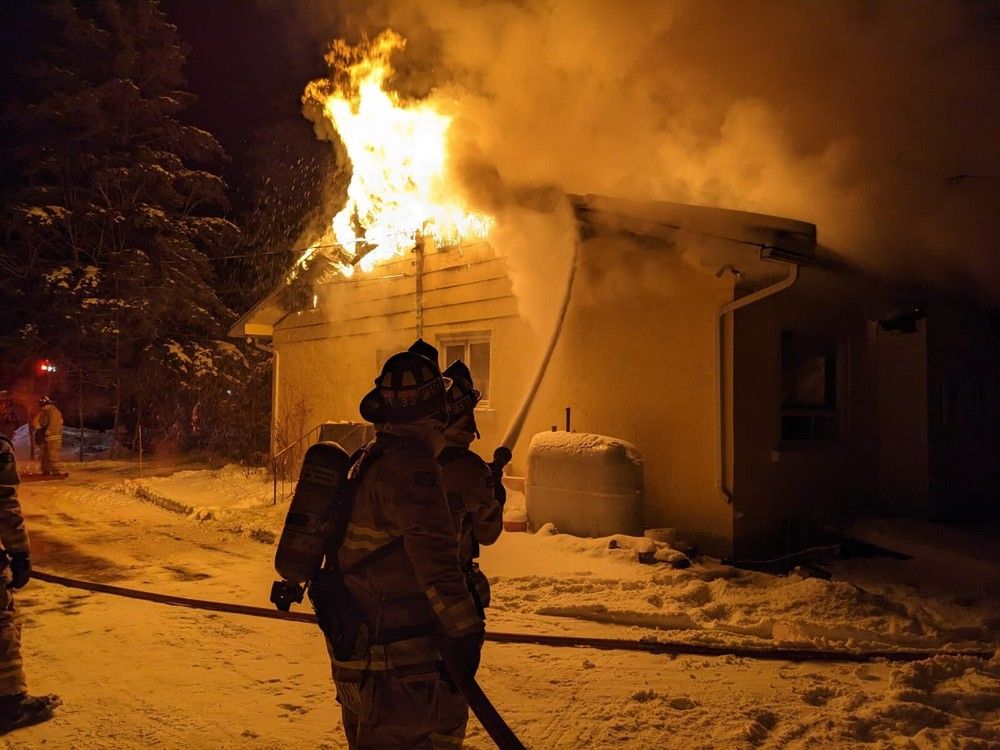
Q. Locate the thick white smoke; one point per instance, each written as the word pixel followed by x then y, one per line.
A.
pixel 875 120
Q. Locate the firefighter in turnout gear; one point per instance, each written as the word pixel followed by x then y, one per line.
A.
pixel 47 427
pixel 17 708
pixel 469 482
pixel 399 562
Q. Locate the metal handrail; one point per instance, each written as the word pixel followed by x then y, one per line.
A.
pixel 281 469
pixel 286 463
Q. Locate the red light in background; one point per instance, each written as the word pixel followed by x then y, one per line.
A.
pixel 46 367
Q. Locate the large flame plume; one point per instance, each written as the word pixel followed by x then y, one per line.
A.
pixel 399 187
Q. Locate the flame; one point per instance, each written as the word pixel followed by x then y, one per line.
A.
pixel 399 187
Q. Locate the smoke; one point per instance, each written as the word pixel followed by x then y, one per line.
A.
pixel 874 120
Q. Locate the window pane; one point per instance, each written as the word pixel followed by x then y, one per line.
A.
pixel 479 364
pixel 808 383
pixel 808 373
pixel 453 352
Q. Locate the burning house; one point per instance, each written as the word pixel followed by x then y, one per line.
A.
pixel 771 390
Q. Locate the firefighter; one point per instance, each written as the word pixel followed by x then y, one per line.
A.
pixel 17 708
pixel 47 427
pixel 399 561
pixel 469 482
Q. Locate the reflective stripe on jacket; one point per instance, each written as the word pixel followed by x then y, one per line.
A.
pixel 405 594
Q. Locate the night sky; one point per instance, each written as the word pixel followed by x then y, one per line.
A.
pixel 248 65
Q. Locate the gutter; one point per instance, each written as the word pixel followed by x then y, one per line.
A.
pixel 720 394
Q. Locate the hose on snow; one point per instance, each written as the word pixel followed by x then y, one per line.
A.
pixel 672 648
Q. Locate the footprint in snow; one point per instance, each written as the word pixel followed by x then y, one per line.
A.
pixel 818 696
pixel 682 703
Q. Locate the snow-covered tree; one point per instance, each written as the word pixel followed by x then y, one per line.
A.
pixel 112 213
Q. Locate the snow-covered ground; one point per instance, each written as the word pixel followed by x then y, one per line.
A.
pixel 137 675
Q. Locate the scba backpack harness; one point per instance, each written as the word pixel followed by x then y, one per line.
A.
pixel 306 557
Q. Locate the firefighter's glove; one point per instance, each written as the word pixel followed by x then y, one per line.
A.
pixel 20 570
pixel 462 653
pixel 501 457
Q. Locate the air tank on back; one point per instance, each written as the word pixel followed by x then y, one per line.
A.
pixel 322 480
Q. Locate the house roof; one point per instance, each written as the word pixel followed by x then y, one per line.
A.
pixel 774 237
pixel 787 238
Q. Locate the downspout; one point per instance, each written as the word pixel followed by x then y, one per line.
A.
pixel 720 395
pixel 269 348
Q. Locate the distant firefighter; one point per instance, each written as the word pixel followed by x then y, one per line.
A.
pixel 17 708
pixel 47 427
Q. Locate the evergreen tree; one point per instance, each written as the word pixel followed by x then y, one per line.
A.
pixel 112 215
pixel 286 184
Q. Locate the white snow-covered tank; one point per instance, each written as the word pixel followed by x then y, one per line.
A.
pixel 585 484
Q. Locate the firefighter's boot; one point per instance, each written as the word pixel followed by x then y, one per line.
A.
pixel 23 710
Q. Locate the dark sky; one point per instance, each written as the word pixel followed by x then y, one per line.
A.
pixel 248 65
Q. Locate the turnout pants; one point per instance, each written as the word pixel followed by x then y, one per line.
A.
pixel 11 667
pixel 49 455
pixel 390 712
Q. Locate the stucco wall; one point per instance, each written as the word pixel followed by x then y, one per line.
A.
pixel 636 360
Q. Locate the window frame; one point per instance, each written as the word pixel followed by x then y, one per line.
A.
pixel 465 338
pixel 839 357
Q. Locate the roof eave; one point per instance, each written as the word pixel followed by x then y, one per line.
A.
pixel 662 219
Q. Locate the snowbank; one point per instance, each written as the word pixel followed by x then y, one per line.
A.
pixel 239 497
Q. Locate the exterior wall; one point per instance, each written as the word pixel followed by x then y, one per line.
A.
pixel 330 356
pixel 903 452
pixel 784 489
pixel 636 361
pixel 963 418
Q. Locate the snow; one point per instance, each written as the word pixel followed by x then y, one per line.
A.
pixel 200 361
pixel 584 445
pixel 46 215
pixel 95 444
pixel 136 674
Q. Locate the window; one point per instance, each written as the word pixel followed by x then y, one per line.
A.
pixel 810 407
pixel 474 350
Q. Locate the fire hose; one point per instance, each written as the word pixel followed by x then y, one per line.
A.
pixel 669 648
pixel 517 423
